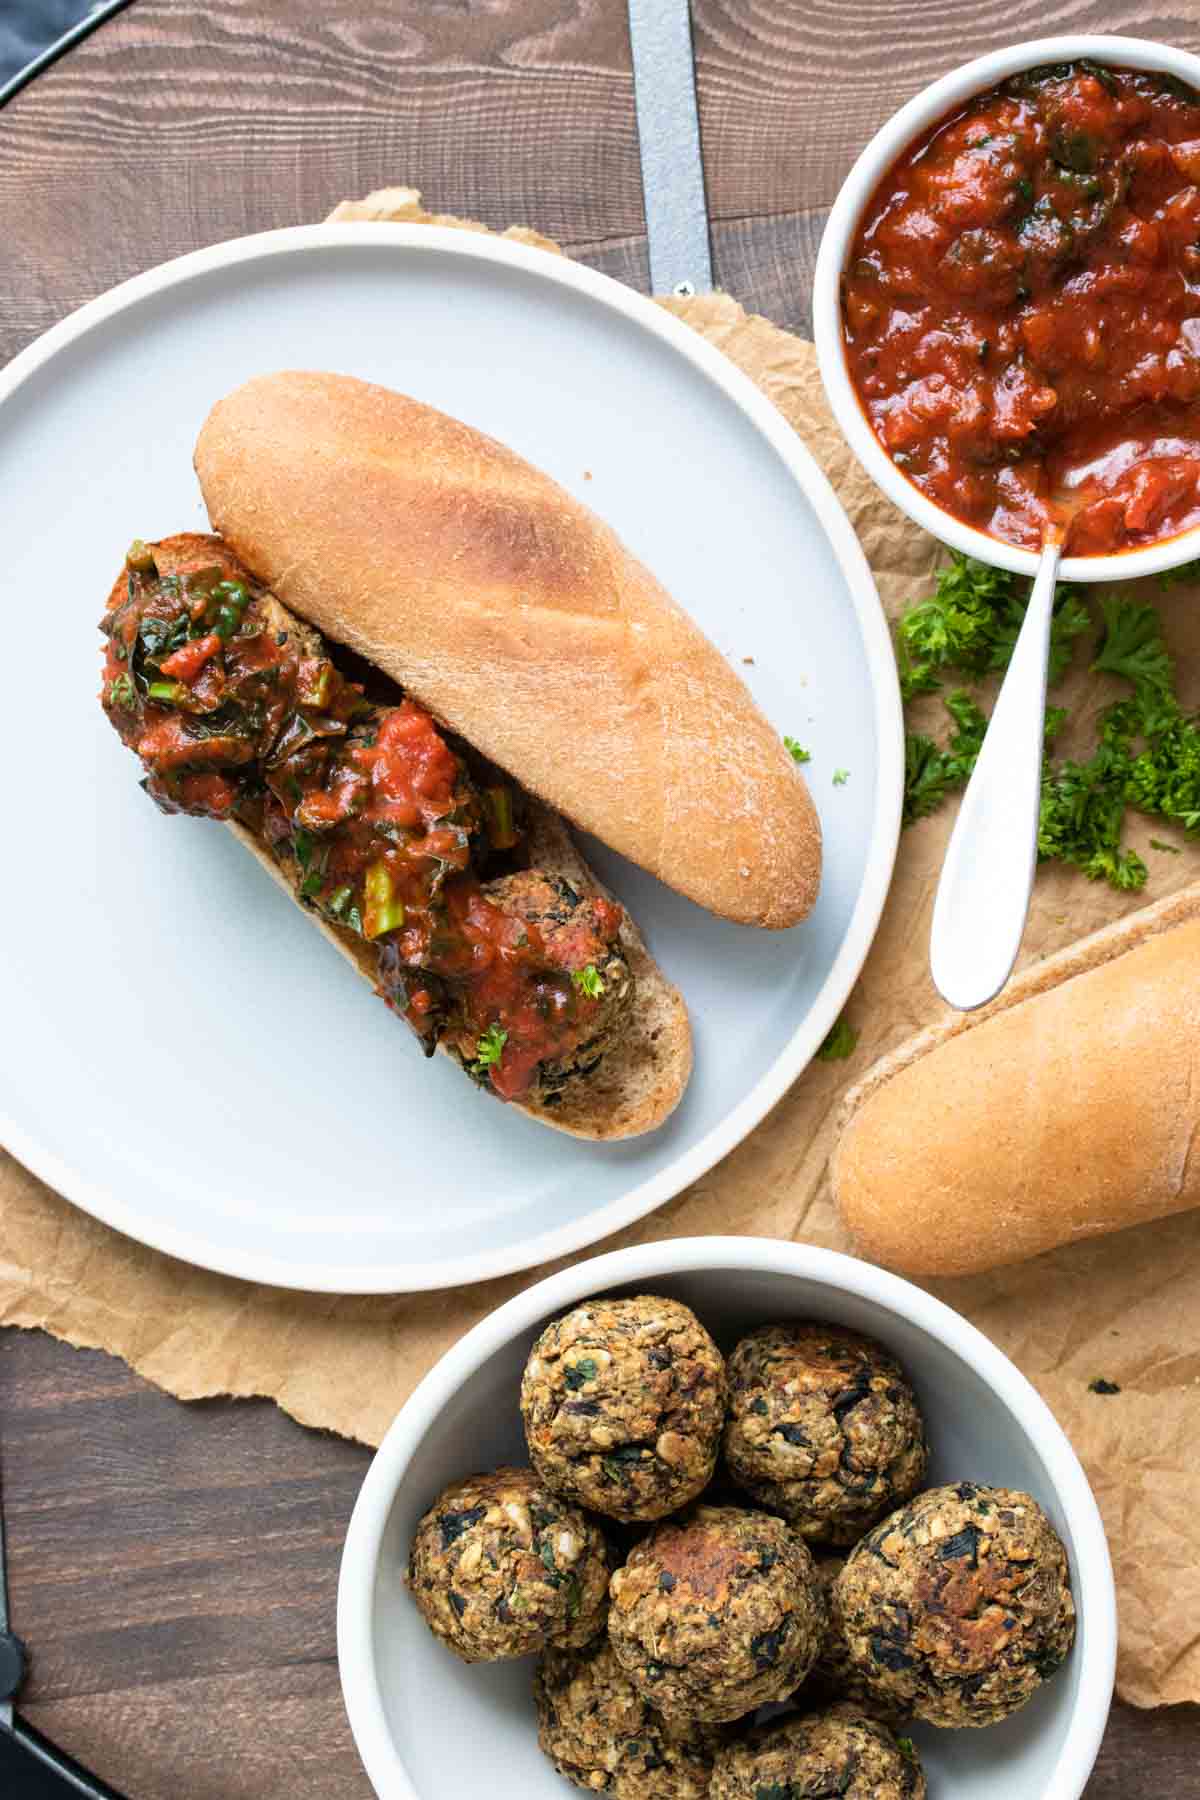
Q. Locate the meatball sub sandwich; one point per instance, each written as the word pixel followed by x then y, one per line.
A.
pixel 406 654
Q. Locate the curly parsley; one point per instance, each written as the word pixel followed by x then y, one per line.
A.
pixel 490 1047
pixel 839 1042
pixel 587 981
pixel 796 751
pixel 1147 753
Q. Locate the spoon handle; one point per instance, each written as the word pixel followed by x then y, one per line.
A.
pixel 987 877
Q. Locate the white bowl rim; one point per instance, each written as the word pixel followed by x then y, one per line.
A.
pixel 923 110
pixel 646 1262
pixel 884 834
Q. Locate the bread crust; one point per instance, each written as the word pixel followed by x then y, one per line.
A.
pixel 646 1068
pixel 517 618
pixel 1067 1108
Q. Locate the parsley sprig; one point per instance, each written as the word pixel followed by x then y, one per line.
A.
pixel 1147 752
pixel 490 1047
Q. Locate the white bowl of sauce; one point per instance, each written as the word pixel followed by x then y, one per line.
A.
pixel 1007 306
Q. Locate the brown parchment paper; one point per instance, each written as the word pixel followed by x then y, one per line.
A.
pixel 1125 1308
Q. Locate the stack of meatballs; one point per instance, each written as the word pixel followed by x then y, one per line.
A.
pixel 697 1540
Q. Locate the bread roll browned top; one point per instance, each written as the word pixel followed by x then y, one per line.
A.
pixel 520 620
pixel 1067 1108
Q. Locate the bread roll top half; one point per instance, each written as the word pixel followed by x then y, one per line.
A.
pixel 520 620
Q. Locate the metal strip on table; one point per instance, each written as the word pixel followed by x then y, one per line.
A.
pixel 664 86
pixel 104 9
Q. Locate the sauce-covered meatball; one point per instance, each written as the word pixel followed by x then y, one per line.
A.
pixel 823 1429
pixel 959 1606
pixel 502 1567
pixel 839 1752
pixel 603 1735
pixel 623 1402
pixel 716 1613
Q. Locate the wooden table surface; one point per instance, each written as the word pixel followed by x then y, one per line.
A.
pixel 174 1567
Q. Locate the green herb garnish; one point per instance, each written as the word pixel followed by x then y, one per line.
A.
pixel 840 1042
pixel 167 693
pixel 122 693
pixel 840 777
pixel 498 807
pixel 970 623
pixel 796 751
pixel 588 982
pixel 1147 753
pixel 490 1047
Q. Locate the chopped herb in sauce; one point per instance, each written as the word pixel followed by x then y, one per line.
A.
pixel 588 981
pixel 238 712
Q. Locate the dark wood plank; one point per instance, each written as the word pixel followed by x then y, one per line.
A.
pixel 174 1572
pixel 790 92
pixel 173 127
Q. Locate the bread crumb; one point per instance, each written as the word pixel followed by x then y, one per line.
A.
pixel 747 659
pixel 587 474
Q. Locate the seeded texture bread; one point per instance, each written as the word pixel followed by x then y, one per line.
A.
pixel 643 1074
pixel 517 618
pixel 1067 1108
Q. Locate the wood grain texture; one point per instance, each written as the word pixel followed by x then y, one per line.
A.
pixel 174 1568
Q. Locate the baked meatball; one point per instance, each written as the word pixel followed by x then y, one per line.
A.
pixel 823 1429
pixel 716 1613
pixel 603 1735
pixel 958 1606
pixel 821 1754
pixel 623 1402
pixel 576 930
pixel 834 1676
pixel 502 1567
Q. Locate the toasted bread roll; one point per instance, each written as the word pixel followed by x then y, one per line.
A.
pixel 1067 1108
pixel 518 619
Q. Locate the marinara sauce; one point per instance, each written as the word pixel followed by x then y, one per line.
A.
pixel 1022 309
pixel 237 712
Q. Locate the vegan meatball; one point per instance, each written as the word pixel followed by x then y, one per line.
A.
pixel 584 1010
pixel 840 1752
pixel 623 1402
pixel 502 1567
pixel 716 1613
pixel 959 1605
pixel 834 1676
pixel 603 1735
pixel 823 1429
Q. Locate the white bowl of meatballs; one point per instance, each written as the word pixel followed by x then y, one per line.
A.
pixel 726 1519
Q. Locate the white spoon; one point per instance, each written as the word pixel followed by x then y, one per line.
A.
pixel 987 877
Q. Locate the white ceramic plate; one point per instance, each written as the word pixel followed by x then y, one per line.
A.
pixel 181 1055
